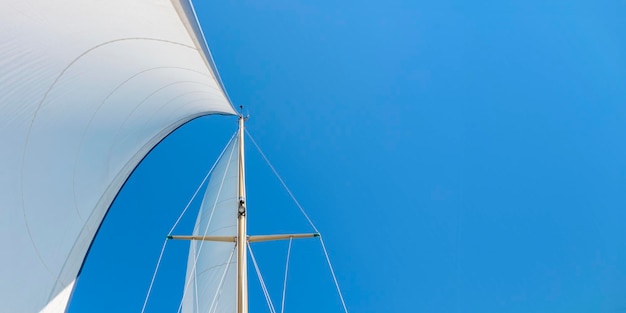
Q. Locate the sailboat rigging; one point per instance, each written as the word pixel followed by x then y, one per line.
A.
pixel 219 210
pixel 87 90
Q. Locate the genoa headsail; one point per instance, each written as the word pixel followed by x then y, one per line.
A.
pixel 87 89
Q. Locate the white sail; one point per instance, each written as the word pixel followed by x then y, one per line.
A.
pixel 212 266
pixel 87 89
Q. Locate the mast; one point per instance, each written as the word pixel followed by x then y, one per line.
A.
pixel 242 277
pixel 206 300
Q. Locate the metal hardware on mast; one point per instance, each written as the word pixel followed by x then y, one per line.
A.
pixel 242 277
pixel 242 239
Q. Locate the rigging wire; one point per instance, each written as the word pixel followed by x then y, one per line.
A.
pixel 282 305
pixel 156 269
pixel 263 287
pixel 330 266
pixel 221 283
pixel 332 272
pixel 201 184
pixel 261 280
pixel 193 197
pixel 281 181
pixel 206 229
pixel 195 276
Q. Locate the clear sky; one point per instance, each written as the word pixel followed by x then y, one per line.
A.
pixel 457 156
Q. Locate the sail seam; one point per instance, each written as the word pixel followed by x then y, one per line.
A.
pixel 193 197
pixel 134 162
pixel 136 107
pixel 188 16
pixel 219 191
pixel 211 268
pixel 140 155
pixel 221 283
pixel 34 116
pixel 99 107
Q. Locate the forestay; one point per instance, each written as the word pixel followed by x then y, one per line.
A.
pixel 211 282
pixel 87 88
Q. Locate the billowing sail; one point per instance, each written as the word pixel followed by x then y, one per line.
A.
pixel 87 88
pixel 212 266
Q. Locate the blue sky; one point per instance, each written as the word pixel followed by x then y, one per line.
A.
pixel 457 157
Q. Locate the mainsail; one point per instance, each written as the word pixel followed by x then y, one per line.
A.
pixel 212 265
pixel 217 267
pixel 87 89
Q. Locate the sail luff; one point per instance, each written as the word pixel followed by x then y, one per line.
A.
pixel 189 18
pixel 211 264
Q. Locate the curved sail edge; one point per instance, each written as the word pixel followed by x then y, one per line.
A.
pixel 188 15
pixel 211 280
pixel 87 89
pixel 61 300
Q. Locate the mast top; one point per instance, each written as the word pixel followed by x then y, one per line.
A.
pixel 244 117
